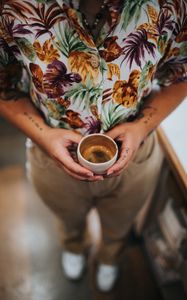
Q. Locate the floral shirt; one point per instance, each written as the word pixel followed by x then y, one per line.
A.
pixel 89 85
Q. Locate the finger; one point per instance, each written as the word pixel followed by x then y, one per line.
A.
pixel 116 174
pixel 114 132
pixel 66 159
pixel 75 175
pixel 61 166
pixel 122 162
pixel 94 178
pixel 74 137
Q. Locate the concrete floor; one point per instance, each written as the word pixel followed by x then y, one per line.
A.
pixel 30 248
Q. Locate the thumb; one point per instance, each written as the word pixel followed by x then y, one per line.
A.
pixel 75 137
pixel 114 132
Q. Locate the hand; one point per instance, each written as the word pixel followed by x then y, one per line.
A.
pixel 56 144
pixel 130 136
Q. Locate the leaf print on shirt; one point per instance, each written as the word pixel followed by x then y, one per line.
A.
pixel 146 75
pixel 112 49
pixel 113 70
pixel 84 94
pixel 181 30
pixel 93 122
pixel 178 9
pixel 136 44
pixel 92 125
pixel 26 48
pixel 37 77
pixel 158 26
pixel 75 23
pixel 172 71
pixel 132 10
pixel 44 18
pixel 73 119
pixel 66 40
pixel 63 102
pixel 46 53
pixel 112 114
pixel 55 110
pixel 15 9
pixel 126 92
pixel 44 35
pixel 16 30
pixel 56 79
pixel 86 64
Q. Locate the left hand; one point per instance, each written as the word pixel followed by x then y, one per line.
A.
pixel 130 136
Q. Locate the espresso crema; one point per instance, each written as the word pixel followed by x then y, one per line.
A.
pixel 97 154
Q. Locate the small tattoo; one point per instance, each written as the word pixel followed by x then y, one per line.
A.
pixel 150 114
pixel 33 121
pixel 127 150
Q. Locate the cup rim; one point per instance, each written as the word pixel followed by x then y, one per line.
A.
pixel 96 164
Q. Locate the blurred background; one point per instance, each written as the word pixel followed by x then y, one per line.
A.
pixel 155 260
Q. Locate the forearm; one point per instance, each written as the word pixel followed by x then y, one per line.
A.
pixel 22 113
pixel 159 106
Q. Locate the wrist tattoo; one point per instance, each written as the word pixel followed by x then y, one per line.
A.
pixel 147 118
pixel 127 150
pixel 11 95
pixel 126 153
pixel 36 124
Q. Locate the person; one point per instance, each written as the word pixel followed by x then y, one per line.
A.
pixel 72 68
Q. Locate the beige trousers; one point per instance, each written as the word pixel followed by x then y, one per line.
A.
pixel 117 200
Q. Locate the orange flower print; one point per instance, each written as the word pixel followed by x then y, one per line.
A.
pixel 84 63
pixel 47 53
pixel 37 76
pixel 63 102
pixel 73 119
pixel 112 49
pixel 113 70
pixel 72 14
pixel 126 92
pixel 4 34
pixel 158 23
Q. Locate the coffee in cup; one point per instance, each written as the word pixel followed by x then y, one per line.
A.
pixel 97 152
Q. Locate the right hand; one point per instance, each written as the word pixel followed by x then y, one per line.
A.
pixel 56 143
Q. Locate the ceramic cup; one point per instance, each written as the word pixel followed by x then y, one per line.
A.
pixel 97 152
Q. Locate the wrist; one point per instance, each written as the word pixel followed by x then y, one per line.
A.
pixel 142 128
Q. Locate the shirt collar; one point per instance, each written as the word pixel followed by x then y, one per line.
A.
pixel 115 8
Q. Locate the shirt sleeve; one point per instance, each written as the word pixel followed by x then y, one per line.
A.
pixel 172 67
pixel 13 74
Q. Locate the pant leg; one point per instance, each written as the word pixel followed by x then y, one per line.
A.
pixel 125 196
pixel 68 198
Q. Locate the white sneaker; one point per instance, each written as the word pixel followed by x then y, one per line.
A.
pixel 73 265
pixel 106 277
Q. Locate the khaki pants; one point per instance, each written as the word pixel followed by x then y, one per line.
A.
pixel 117 200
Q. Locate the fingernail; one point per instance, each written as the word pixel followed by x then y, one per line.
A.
pixel 110 172
pixel 90 174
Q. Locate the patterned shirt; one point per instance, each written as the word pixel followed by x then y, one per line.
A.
pixel 89 85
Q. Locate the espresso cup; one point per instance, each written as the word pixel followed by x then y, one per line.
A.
pixel 97 152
